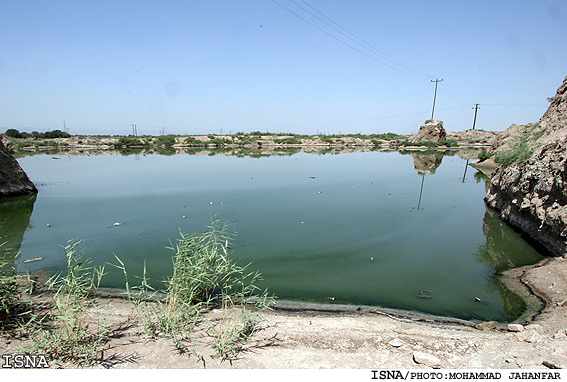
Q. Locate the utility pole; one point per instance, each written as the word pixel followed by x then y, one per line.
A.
pixel 475 111
pixel 134 131
pixel 435 96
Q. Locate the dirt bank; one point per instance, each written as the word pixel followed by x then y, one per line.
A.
pixel 359 338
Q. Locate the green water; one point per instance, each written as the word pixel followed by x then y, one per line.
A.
pixel 311 224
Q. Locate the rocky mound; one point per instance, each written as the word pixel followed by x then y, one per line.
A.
pixel 13 180
pixel 532 195
pixel 430 131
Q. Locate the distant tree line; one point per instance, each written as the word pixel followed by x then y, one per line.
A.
pixel 35 134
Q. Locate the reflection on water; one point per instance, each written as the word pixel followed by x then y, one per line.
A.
pixel 15 213
pixel 309 223
pixel 504 249
pixel 426 164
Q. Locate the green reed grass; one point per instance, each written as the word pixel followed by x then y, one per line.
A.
pixel 9 290
pixel 204 278
pixel 69 333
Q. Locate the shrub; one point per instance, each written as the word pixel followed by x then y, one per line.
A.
pixel 56 134
pixel 193 141
pixel 220 141
pixel 424 143
pixel 166 140
pixel 449 143
pixel 518 155
pixel 484 155
pixel 288 141
pixel 128 142
pixel 387 136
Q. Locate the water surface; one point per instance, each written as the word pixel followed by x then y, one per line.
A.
pixel 371 228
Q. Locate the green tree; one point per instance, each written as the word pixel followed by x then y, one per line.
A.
pixel 13 133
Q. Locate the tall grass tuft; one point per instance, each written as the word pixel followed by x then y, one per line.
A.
pixel 201 267
pixel 73 335
pixel 8 289
pixel 204 277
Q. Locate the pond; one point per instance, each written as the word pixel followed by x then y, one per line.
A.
pixel 407 232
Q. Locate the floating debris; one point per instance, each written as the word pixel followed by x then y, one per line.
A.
pixel 32 260
pixel 371 259
pixel 477 299
pixel 331 298
pixel 424 294
pixel 117 224
pixel 311 177
pixel 183 216
pixel 48 225
pixel 319 192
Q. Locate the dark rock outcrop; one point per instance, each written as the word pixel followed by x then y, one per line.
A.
pixel 13 180
pixel 430 131
pixel 532 196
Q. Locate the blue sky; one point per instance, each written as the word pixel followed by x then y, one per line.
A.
pixel 196 67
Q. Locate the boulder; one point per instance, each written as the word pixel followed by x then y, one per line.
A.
pixel 430 131
pixel 13 180
pixel 515 328
pixel 426 359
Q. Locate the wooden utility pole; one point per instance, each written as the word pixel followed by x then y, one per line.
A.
pixel 475 111
pixel 435 96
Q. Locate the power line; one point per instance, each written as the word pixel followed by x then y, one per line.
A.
pixel 453 95
pixel 405 71
pixel 370 119
pixel 512 105
pixel 363 43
